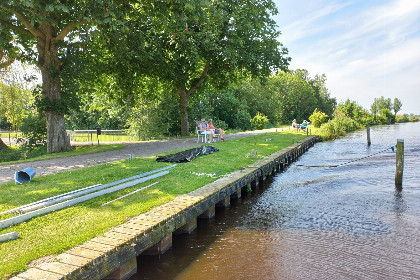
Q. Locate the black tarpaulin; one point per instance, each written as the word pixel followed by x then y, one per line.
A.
pixel 188 155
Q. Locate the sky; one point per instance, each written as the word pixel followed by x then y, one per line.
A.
pixel 367 49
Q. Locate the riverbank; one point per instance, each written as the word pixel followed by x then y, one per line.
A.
pixel 113 254
pixel 43 236
pixel 314 222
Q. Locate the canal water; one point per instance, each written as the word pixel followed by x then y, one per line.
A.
pixel 314 221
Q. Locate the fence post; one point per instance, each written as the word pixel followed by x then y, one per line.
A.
pixel 399 163
pixel 368 135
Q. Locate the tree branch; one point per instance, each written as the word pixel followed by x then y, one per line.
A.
pixel 67 29
pixel 16 28
pixel 201 80
pixel 31 29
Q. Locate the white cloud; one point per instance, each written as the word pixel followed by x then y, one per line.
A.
pixel 367 50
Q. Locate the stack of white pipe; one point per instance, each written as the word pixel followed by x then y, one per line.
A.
pixel 68 199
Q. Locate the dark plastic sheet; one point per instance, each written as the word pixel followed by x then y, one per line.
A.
pixel 188 155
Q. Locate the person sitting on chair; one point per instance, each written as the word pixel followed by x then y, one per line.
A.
pixel 206 130
pixel 216 130
pixel 294 124
pixel 304 125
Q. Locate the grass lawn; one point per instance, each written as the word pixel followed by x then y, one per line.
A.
pixel 59 231
pixel 26 154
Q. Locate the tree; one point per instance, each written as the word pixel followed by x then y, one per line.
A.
pixel 318 118
pixel 190 42
pixel 397 105
pixel 295 96
pixel 51 28
pixel 381 103
pixel 325 103
pixel 14 101
pixel 5 62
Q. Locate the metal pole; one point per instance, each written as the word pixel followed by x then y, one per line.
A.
pixel 27 216
pixel 399 163
pixel 9 236
pixel 368 135
pixel 79 192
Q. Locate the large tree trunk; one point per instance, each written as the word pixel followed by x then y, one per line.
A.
pixel 50 65
pixel 185 94
pixel 183 108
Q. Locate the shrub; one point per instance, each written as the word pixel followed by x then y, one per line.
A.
pixel 386 117
pixel 413 118
pixel 339 126
pixel 402 118
pixel 259 121
pixel 317 118
pixel 33 129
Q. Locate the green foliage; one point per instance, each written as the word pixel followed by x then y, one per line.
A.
pixel 259 121
pixel 354 111
pixel 284 96
pixel 203 41
pixel 4 124
pixel 396 106
pixel 386 117
pixel 379 104
pixel 413 118
pixel 33 129
pixel 339 125
pixel 14 101
pixel 223 106
pixel 402 118
pixel 18 154
pixel 318 118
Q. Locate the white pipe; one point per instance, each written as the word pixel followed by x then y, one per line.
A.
pixel 72 194
pixel 56 199
pixel 9 236
pixel 133 192
pixel 27 216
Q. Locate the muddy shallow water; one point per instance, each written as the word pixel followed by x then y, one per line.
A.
pixel 314 221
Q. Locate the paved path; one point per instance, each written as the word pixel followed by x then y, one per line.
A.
pixel 137 149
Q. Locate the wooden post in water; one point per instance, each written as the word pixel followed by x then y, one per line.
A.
pixel 399 163
pixel 368 135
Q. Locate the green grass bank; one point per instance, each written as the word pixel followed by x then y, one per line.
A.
pixel 59 231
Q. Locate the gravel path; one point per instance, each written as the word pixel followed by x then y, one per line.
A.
pixel 137 149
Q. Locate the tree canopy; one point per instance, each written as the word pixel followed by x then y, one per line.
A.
pixel 45 30
pixel 186 43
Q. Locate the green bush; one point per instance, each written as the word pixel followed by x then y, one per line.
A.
pixel 318 118
pixel 34 130
pixel 338 126
pixel 259 121
pixel 386 117
pixel 402 118
pixel 413 118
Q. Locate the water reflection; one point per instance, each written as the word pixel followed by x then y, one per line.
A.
pixel 349 222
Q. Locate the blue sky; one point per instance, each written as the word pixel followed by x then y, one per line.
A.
pixel 366 49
